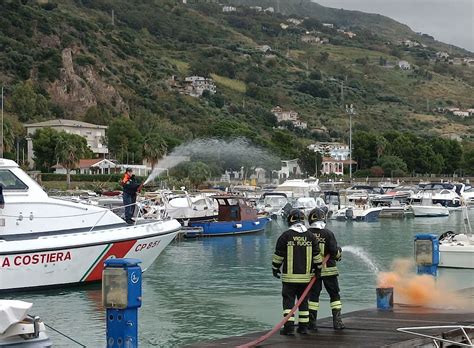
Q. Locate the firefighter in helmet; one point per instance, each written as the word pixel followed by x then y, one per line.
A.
pixel 295 259
pixel 328 248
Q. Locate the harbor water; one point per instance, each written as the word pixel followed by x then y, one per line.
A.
pixel 211 288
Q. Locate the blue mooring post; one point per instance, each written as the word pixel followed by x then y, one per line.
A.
pixel 122 296
pixel 427 253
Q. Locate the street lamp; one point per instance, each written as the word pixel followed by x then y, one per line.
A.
pixel 351 111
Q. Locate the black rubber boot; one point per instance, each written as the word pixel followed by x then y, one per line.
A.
pixel 302 329
pixel 336 320
pixel 288 330
pixel 313 317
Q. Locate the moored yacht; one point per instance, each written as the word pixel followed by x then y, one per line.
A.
pixel 50 242
pixel 456 250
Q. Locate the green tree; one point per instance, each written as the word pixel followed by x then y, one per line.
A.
pixel 124 140
pixel 8 137
pixel 392 164
pixel 468 161
pixel 154 147
pixel 28 104
pixel 69 149
pixel 310 161
pixel 44 146
pixel 199 173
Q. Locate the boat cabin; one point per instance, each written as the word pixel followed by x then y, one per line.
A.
pixel 234 208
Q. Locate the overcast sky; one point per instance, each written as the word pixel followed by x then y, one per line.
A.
pixel 449 21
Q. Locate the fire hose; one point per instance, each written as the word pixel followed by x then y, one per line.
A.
pixel 287 317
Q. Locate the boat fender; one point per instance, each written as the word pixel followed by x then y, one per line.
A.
pixel 256 223
pixel 238 225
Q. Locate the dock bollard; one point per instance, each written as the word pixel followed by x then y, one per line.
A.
pixel 427 253
pixel 384 298
pixel 122 296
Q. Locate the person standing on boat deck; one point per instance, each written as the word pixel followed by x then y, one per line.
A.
pixel 329 272
pixel 296 256
pixel 130 188
pixel 2 200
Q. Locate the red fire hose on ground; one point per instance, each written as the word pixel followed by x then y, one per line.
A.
pixel 278 326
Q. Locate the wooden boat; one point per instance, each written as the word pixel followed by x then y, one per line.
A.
pixel 235 216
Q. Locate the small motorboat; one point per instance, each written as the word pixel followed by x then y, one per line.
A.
pixel 456 250
pixel 426 208
pixel 48 242
pixel 272 203
pixel 235 217
pixel 18 329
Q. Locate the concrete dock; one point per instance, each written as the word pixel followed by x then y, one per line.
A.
pixel 371 328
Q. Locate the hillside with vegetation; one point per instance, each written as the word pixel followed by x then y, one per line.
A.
pixel 110 62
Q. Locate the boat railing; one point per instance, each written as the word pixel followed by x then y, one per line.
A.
pixel 459 329
pixel 140 213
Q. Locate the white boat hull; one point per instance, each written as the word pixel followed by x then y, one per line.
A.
pixel 457 251
pixel 456 256
pixel 429 211
pixel 78 257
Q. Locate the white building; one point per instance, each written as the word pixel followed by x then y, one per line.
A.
pixel 229 9
pixel 90 166
pixel 334 150
pixel 264 48
pixel 282 115
pixel 310 39
pixel 289 168
pixel 404 65
pixel 269 10
pixel 196 85
pixel 328 25
pixel 94 134
pixel 461 113
pixel 294 21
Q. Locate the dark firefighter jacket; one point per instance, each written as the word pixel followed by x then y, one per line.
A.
pixel 299 255
pixel 130 184
pixel 327 246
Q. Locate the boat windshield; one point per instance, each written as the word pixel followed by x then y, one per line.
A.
pixel 9 181
pixel 275 201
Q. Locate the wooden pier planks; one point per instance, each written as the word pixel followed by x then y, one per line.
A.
pixel 365 328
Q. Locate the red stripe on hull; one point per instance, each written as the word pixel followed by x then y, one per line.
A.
pixel 118 250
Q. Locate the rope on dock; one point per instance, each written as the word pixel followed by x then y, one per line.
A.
pixel 283 321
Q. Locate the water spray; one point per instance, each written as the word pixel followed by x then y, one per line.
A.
pixel 364 256
pixel 238 153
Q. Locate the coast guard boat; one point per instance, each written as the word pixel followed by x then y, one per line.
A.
pixel 51 242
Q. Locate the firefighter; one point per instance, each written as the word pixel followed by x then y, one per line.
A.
pixel 295 259
pixel 327 246
pixel 130 188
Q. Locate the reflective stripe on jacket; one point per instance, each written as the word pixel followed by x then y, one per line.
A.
pixel 327 246
pixel 297 253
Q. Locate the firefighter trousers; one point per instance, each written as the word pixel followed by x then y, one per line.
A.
pixel 291 292
pixel 332 287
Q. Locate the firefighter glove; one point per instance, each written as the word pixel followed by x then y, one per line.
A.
pixel 276 273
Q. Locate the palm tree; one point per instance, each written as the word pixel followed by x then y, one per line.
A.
pixel 70 148
pixel 8 137
pixel 154 148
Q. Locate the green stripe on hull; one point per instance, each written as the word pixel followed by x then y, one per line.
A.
pixel 107 247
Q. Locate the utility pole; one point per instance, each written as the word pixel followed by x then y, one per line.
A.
pixel 351 111
pixel 113 17
pixel 342 93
